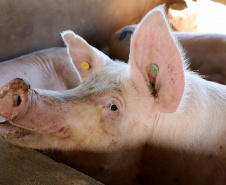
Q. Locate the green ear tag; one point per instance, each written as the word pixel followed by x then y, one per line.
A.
pixel 154 69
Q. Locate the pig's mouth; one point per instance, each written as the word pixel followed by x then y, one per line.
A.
pixel 5 122
pixel 59 131
pixel 6 127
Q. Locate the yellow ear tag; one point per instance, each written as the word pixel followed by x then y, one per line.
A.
pixel 85 65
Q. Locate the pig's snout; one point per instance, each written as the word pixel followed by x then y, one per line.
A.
pixel 14 98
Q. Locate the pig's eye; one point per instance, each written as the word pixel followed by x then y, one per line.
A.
pixel 113 107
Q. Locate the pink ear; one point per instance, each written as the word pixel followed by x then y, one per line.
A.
pixel 85 58
pixel 152 43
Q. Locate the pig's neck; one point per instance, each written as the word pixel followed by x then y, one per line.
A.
pixel 201 124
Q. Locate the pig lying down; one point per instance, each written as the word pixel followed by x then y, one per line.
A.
pixel 52 68
pixel 151 121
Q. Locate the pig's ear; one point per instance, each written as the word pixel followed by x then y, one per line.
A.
pixel 156 62
pixel 85 58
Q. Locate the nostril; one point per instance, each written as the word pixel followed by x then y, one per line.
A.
pixel 19 100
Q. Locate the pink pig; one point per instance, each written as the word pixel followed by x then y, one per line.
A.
pixel 151 121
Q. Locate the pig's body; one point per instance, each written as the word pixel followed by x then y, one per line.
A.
pixel 206 52
pixel 47 69
pixel 189 147
pixel 126 123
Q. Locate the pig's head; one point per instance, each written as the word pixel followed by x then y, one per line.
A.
pixel 115 105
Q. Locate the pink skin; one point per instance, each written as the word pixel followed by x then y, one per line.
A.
pixel 14 99
pixel 52 67
pixel 120 122
pixel 205 51
pixel 18 100
pixel 109 112
pixel 30 122
pixel 47 69
pixel 18 103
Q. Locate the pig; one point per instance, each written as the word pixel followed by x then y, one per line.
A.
pixel 49 69
pixel 206 51
pixel 151 121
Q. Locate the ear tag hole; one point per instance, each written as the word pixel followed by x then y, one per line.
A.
pixel 85 65
pixel 154 69
pixel 154 93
